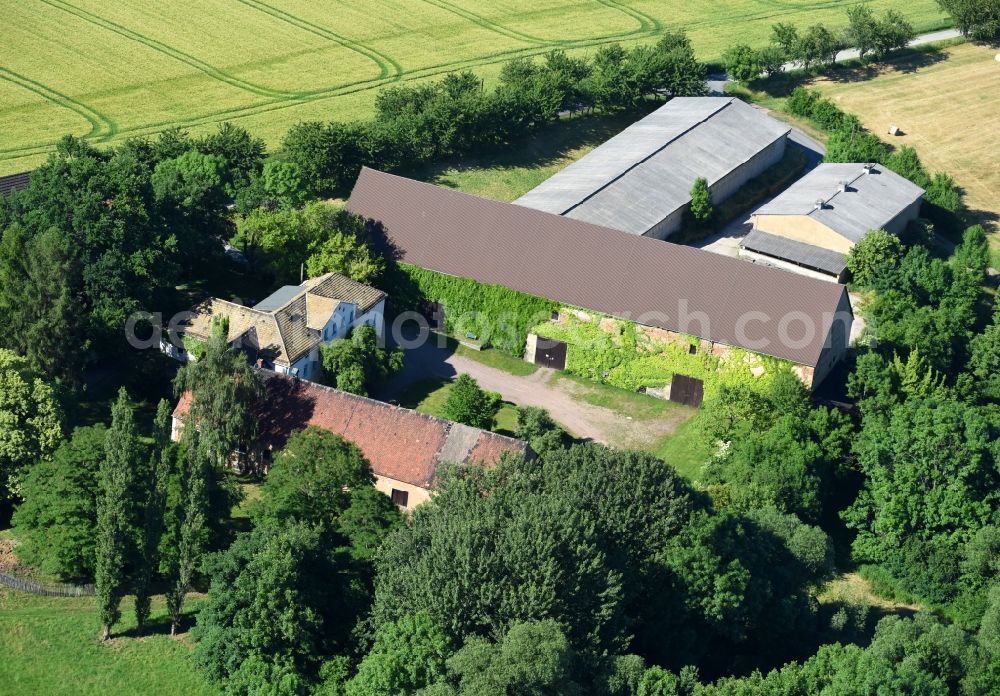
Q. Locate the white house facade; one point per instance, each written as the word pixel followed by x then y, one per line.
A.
pixel 284 331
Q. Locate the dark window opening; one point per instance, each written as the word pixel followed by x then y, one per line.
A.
pixel 400 498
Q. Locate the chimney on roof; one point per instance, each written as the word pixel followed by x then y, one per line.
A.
pixel 819 204
pixel 842 186
pixel 868 168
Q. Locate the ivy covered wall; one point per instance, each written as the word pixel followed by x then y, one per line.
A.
pixel 497 316
pixel 628 356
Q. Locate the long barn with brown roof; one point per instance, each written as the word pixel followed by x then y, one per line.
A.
pixel 406 449
pixel 721 300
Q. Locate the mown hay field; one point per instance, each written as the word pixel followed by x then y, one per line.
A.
pixel 947 104
pixel 109 70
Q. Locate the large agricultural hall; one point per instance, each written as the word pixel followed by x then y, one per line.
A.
pixel 640 180
pixel 726 303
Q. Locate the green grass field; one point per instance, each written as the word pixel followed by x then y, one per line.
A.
pixel 109 70
pixel 50 646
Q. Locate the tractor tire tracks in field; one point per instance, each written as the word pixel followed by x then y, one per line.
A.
pixel 101 126
pixel 170 51
pixel 388 66
pixel 390 70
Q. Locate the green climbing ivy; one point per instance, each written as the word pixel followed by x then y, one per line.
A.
pixel 613 351
pixel 496 316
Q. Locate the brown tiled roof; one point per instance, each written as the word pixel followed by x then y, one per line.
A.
pixel 584 265
pixel 399 443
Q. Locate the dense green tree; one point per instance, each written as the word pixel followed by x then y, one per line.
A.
pixel 344 253
pixel 264 234
pixel 930 485
pixel 862 29
pixel 818 46
pixel 339 243
pixel 874 260
pixel 222 390
pixel 125 247
pixel 853 144
pixel 367 522
pixel 534 658
pixel 877 35
pixel 772 59
pixel 242 153
pixel 314 149
pixel 485 554
pixel 312 480
pixel 358 363
pixel 536 427
pixel 905 162
pixel 973 254
pixel 942 192
pixel 893 32
pixel 470 404
pixel 272 611
pixel 153 510
pixel 55 523
pixel 675 70
pixel 701 200
pixel 984 360
pixel 978 19
pixel 408 655
pixel 786 37
pixel 190 512
pixel 320 237
pixel 742 63
pixel 30 421
pixel 736 412
pixel 115 537
pixel 781 466
pixel 612 85
pixel 38 277
pixel 732 580
pixel 194 182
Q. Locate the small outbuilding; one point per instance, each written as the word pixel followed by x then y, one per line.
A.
pixel 640 180
pixel 812 226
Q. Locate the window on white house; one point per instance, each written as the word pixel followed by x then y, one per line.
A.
pixel 400 498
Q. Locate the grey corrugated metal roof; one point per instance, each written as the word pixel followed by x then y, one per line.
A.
pixel 645 173
pixel 797 252
pixel 279 298
pixel 872 200
pixel 656 283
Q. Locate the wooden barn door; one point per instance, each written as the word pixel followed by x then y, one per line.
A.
pixel 687 390
pixel 550 353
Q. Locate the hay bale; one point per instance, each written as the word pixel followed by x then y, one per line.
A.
pixel 894 130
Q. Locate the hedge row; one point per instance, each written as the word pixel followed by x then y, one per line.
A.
pixel 457 115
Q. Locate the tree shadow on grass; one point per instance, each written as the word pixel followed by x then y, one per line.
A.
pixel 905 62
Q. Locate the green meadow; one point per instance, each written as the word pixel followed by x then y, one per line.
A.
pixel 110 70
